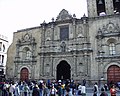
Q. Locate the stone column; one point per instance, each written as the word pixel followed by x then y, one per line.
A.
pixel 92 8
pixel 42 50
pixel 52 65
pixel 75 62
pixel 86 63
pixel 74 28
pixel 109 7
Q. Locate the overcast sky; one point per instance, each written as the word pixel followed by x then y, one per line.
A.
pixel 21 14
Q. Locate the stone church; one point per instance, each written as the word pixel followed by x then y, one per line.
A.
pixel 69 47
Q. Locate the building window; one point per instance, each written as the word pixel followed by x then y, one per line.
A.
pixel 112 48
pixel 0 46
pixel 3 48
pixel 2 59
pixel 28 54
pixel 64 33
pixel 101 7
pixel 116 5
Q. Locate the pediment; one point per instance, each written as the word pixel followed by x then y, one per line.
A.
pixel 63 15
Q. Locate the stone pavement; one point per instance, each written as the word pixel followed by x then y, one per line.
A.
pixel 89 92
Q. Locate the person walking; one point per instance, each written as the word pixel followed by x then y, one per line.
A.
pixel 103 93
pixel 113 90
pixel 68 92
pixel 83 90
pixel 95 89
pixel 36 91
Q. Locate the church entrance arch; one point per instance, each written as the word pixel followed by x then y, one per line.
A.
pixel 24 74
pixel 113 74
pixel 63 71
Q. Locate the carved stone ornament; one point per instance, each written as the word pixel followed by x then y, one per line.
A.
pixel 110 28
pixel 63 15
pixel 27 37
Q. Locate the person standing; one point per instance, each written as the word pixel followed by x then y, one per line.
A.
pixel 95 89
pixel 84 82
pixel 11 89
pixel 25 89
pixel 41 87
pixel 79 89
pixel 5 91
pixel 17 91
pixel 59 90
pixel 53 91
pixel 45 90
pixel 113 90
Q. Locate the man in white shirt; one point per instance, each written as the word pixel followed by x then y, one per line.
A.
pixel 83 90
pixel 12 89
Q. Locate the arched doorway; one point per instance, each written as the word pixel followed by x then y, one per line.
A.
pixel 63 71
pixel 113 74
pixel 24 74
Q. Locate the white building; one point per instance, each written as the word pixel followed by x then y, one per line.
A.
pixel 3 52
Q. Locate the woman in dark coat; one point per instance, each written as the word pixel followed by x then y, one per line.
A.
pixel 36 91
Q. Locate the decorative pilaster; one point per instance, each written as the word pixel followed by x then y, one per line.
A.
pixel 52 65
pixel 42 49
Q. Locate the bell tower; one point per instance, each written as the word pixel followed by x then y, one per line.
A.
pixel 103 7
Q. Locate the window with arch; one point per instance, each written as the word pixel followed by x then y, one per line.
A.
pixel 101 7
pixel 26 53
pixel 3 48
pixel 2 58
pixel 112 48
pixel 0 46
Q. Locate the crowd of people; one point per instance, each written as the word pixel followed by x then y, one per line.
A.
pixel 52 88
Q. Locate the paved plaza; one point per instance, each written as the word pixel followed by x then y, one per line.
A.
pixel 89 92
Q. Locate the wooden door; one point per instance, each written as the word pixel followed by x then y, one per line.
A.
pixel 113 74
pixel 24 75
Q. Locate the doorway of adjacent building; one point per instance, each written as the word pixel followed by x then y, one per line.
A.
pixel 113 74
pixel 63 71
pixel 24 74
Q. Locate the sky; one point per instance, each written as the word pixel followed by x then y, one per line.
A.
pixel 21 14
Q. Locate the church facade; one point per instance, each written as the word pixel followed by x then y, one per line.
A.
pixel 69 47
